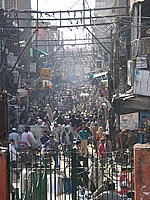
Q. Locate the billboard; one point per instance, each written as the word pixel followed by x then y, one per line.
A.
pixel 142 82
pixel 129 121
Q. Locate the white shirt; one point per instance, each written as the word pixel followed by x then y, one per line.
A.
pixel 32 139
pixel 13 152
pixel 57 131
pixel 14 136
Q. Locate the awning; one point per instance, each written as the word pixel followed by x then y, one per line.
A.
pixel 40 52
pixel 137 102
pixel 84 94
pixel 36 53
pixel 90 75
pixel 130 103
pixel 100 74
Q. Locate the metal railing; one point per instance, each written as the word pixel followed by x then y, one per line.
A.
pixel 35 176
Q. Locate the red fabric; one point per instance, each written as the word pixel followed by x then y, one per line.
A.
pixel 123 177
pixel 122 191
pixel 102 151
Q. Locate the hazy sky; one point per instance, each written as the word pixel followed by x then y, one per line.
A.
pixel 53 5
pixel 56 5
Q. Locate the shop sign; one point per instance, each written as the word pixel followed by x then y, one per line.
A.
pixel 142 82
pixel 45 71
pixel 129 121
pixel 141 62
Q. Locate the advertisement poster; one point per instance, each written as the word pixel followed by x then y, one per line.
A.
pixel 129 121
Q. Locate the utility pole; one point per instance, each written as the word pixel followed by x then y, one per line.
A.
pixel 116 59
pixel 116 70
pixel 83 12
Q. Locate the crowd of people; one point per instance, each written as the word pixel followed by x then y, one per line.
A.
pixel 84 126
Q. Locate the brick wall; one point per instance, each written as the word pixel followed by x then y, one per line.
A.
pixel 142 171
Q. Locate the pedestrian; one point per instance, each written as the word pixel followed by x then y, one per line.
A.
pixel 57 131
pixel 60 119
pixel 13 154
pixel 108 144
pixel 99 134
pixel 44 137
pixel 84 140
pixel 74 122
pixel 49 112
pixel 94 175
pixel 33 141
pixel 15 136
pixel 94 130
pixel 79 107
pixel 67 138
pixel 21 127
pixel 102 151
pixel 55 114
pixel 121 139
pixel 26 138
pixel 52 146
pixel 47 125
pixel 132 139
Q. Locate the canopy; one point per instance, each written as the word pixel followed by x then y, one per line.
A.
pixel 100 74
pixel 84 94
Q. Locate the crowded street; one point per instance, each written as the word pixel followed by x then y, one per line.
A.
pixel 74 100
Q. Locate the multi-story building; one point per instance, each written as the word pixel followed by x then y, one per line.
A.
pixel 106 17
pixel 134 104
pixel 13 41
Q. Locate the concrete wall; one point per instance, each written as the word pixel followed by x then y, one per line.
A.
pixel 142 171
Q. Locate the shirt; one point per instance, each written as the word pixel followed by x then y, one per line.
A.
pixel 14 136
pixel 83 134
pixel 57 131
pixel 33 141
pixel 102 150
pixel 25 137
pixel 44 139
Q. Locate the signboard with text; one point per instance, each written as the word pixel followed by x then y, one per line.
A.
pixel 129 121
pixel 45 71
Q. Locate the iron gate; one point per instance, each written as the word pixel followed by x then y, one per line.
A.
pixel 68 175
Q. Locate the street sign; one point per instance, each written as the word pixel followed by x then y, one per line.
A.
pixel 45 71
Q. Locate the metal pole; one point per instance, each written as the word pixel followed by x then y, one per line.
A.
pixel 139 34
pixel 74 184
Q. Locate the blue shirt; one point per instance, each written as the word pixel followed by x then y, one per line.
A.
pixel 83 134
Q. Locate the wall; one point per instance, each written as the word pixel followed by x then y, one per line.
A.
pixel 142 171
pixel 3 177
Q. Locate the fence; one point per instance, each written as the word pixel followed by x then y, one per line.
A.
pixel 69 175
